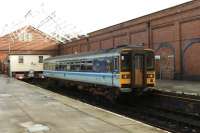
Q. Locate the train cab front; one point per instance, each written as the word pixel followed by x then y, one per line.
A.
pixel 137 71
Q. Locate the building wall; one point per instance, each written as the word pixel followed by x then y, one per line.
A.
pixel 30 62
pixel 173 33
pixel 19 42
pixel 27 40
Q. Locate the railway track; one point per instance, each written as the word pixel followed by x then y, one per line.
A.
pixel 164 119
pixel 174 113
pixel 180 102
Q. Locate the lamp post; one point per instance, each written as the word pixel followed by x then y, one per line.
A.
pixel 9 51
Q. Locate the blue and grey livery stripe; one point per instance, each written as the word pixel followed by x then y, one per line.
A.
pixel 109 79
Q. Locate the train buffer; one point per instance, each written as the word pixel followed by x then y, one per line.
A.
pixel 25 108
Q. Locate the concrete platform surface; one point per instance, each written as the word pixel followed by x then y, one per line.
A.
pixel 180 87
pixel 26 108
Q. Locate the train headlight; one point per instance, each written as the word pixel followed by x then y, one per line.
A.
pixel 125 76
pixel 150 75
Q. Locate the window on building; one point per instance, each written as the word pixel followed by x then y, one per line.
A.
pixel 40 59
pixel 26 37
pixel 21 59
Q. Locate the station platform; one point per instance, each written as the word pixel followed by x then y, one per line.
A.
pixel 25 108
pixel 179 87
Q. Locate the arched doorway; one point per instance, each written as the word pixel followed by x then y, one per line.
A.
pixel 165 61
pixel 191 60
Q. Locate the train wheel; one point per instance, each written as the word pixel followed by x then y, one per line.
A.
pixel 112 95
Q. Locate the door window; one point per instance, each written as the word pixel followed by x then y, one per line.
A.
pixel 126 62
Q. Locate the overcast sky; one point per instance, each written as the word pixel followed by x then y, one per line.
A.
pixel 86 15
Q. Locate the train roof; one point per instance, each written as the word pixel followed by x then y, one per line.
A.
pixel 100 53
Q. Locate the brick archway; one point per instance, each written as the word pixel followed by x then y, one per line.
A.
pixel 189 43
pixel 165 66
pixel 190 61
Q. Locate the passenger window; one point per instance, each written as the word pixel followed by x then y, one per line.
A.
pixel 68 67
pixel 83 67
pixel 62 66
pixel 53 66
pixel 74 66
pixel 102 65
pixel 77 67
pixel 65 65
pixel 116 64
pixel 57 68
pixel 87 66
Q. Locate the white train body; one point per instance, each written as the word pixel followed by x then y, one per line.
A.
pixel 27 66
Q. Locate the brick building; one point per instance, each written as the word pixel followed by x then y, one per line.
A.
pixel 27 40
pixel 173 33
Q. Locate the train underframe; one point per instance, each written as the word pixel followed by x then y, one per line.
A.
pixel 111 94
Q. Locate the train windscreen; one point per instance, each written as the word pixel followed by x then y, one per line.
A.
pixel 150 61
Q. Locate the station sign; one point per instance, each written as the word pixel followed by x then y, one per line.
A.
pixel 170 56
pixel 157 57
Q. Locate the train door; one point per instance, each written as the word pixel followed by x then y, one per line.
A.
pixel 138 70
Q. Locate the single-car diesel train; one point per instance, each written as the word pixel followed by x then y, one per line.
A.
pixel 108 72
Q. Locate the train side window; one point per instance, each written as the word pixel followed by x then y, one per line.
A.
pixel 61 66
pixel 53 66
pixel 97 65
pixel 72 66
pixel 89 66
pixel 68 67
pixel 86 66
pixel 21 59
pixel 57 66
pixel 116 64
pixel 77 66
pixel 102 65
pixel 83 67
